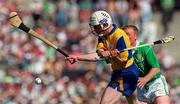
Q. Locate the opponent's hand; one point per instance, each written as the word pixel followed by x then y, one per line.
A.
pixel 142 82
pixel 72 59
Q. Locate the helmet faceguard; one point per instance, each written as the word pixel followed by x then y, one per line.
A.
pixel 99 22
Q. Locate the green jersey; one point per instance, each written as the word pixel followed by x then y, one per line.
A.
pixel 146 59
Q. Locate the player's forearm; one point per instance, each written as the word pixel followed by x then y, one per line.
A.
pixel 89 57
pixel 152 73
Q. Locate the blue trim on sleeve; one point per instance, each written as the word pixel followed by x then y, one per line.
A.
pixel 130 54
pixel 121 44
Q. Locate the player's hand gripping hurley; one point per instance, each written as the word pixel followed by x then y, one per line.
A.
pixel 17 22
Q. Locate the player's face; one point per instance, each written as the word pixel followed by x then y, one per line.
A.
pixel 132 35
pixel 97 30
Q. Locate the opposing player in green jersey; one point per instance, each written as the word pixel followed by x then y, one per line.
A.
pixel 152 86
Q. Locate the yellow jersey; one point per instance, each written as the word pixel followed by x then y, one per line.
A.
pixel 117 39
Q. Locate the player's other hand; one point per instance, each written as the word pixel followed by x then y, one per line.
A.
pixel 105 54
pixel 72 59
pixel 142 82
pixel 114 53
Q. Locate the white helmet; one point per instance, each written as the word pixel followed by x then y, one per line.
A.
pixel 99 22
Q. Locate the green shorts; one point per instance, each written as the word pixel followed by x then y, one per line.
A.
pixel 158 87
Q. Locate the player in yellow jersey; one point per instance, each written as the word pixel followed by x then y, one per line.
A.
pixel 112 40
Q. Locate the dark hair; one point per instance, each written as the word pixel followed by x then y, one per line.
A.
pixel 131 26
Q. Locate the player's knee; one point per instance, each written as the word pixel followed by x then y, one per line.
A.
pixel 106 102
pixel 132 99
pixel 162 100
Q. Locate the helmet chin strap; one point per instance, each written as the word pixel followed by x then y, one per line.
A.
pixel 101 35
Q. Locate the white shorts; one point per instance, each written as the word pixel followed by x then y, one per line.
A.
pixel 158 87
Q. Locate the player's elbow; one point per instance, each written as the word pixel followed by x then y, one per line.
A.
pixel 157 70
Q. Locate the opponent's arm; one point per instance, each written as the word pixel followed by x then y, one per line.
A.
pixel 152 60
pixel 143 80
pixel 152 73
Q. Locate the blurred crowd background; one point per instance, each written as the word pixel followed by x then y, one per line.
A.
pixel 65 23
